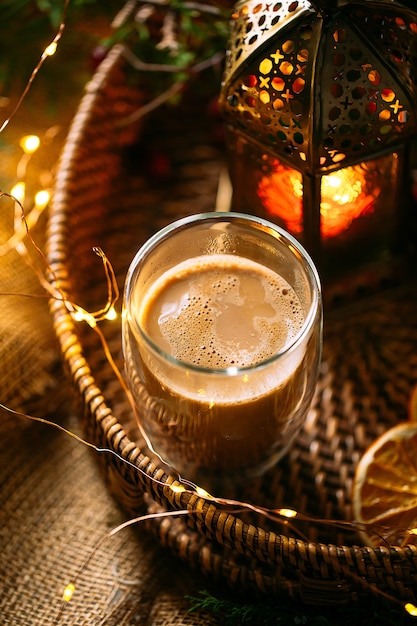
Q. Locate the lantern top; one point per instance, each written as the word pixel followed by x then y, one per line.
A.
pixel 322 84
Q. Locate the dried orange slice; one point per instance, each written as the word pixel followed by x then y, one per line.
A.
pixel 384 496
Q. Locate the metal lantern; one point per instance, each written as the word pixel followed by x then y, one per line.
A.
pixel 320 103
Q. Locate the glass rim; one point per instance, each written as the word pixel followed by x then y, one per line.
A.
pixel 218 216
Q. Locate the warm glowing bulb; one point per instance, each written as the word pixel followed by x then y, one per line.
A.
pixel 344 198
pixel 78 316
pixel 82 316
pixel 18 191
pixel 177 488
pixel 287 512
pixel 30 143
pixel 340 188
pixel 51 49
pixel 68 592
pixel 42 198
pixel 111 314
pixel 202 492
pixel 411 609
pixel 334 181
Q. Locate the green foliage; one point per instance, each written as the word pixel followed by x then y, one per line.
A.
pixel 29 25
pixel 169 43
pixel 233 614
pixel 178 33
pixel 168 40
pixel 292 613
pixel 51 9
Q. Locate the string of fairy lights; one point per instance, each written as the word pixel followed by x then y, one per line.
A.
pixel 29 145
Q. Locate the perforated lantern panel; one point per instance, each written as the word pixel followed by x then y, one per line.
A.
pixel 322 89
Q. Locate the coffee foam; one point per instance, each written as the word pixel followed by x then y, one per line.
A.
pixel 221 311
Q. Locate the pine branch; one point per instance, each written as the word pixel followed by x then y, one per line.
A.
pixel 290 613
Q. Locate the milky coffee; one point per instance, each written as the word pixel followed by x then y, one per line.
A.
pixel 216 312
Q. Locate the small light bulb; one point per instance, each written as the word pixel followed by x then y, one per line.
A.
pixel 68 592
pixel 30 143
pixel 42 198
pixel 111 314
pixel 82 316
pixel 177 488
pixel 202 492
pixel 51 49
pixel 18 191
pixel 287 512
pixel 411 609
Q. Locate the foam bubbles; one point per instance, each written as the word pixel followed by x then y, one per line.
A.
pixel 221 311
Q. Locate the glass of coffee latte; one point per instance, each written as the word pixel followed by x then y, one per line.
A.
pixel 222 333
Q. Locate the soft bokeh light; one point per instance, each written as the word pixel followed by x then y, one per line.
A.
pixel 42 198
pixel 18 191
pixel 30 143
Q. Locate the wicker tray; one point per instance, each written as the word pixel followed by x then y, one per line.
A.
pixel 104 197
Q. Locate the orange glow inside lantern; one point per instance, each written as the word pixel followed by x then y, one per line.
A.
pixel 345 197
pixel 347 218
pixel 320 103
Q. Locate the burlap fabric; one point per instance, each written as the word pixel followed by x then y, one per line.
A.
pixel 28 348
pixel 55 508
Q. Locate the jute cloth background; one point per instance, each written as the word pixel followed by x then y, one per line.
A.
pixel 55 508
pixel 27 346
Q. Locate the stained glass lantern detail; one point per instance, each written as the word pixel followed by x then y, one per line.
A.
pixel 320 103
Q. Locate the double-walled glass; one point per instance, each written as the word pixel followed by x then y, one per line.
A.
pixel 222 331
